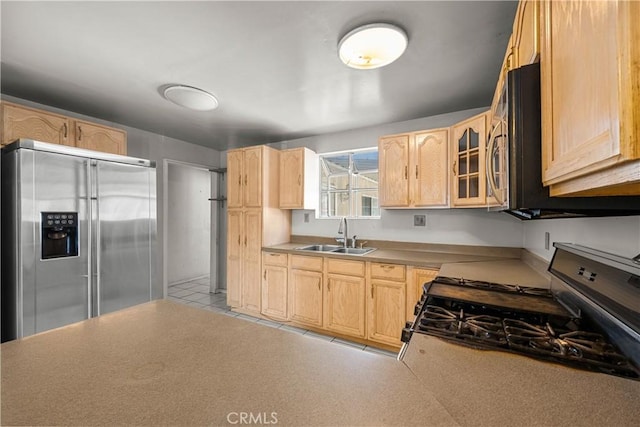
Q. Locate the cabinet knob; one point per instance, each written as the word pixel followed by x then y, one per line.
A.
pixel 406 172
pixel 79 133
pixel 416 171
pixel 64 130
pixel 454 167
pixel 265 275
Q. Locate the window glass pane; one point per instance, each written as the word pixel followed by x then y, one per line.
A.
pixel 336 164
pixel 473 139
pixel 462 142
pixel 462 188
pixel 473 187
pixel 463 165
pixel 364 161
pixel 365 203
pixel 339 203
pixel 324 204
pixel 349 184
pixel 365 180
pixel 338 182
pixel 473 163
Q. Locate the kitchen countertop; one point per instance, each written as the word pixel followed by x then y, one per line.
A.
pixel 162 363
pixel 505 271
pixel 418 258
pixel 165 363
pixel 492 388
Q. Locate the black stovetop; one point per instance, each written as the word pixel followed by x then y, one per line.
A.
pixel 527 321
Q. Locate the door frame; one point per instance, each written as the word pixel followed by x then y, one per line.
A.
pixel 215 232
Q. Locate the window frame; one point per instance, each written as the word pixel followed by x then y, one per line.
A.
pixel 352 190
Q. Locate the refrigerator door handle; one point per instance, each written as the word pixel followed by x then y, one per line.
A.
pixel 96 242
pixel 89 251
pixel 93 247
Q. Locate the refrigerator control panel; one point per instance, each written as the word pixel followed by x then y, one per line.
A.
pixel 59 234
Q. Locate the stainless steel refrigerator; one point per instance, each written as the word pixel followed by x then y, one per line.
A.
pixel 78 235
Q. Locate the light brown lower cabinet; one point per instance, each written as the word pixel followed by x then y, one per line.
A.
pixel 305 290
pixel 366 300
pixel 386 311
pixel 344 298
pixel 274 285
pixel 416 277
pixel 386 303
pixel 345 305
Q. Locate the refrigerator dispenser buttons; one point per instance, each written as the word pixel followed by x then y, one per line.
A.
pixel 60 236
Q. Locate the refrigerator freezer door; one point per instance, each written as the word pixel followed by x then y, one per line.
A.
pixel 54 292
pixel 124 232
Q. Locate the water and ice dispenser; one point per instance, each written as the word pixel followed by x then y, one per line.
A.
pixel 59 234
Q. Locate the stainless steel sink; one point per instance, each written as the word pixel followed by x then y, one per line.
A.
pixel 353 251
pixel 319 248
pixel 335 249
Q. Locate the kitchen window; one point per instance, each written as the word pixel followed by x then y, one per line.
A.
pixel 349 184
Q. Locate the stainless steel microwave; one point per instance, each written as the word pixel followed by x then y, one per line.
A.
pixel 514 165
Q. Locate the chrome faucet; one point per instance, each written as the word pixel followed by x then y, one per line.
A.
pixel 342 229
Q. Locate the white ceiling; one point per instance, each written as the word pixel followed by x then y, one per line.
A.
pixel 272 65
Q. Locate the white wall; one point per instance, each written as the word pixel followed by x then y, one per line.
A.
pixel 475 227
pixel 618 235
pixel 448 226
pixel 189 223
pixel 154 147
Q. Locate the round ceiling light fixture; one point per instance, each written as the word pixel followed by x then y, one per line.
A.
pixel 190 97
pixel 372 46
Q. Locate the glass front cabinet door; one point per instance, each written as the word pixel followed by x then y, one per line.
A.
pixel 468 156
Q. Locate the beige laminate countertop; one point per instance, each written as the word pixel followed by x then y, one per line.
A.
pixel 162 363
pixel 428 259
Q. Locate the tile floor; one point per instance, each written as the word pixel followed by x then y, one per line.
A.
pixel 196 293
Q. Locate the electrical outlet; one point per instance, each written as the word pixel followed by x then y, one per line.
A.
pixel 546 240
pixel 419 220
pixel 306 217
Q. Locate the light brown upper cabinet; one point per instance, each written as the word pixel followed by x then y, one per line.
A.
pixel 24 122
pixel 590 83
pixel 100 138
pixel 507 65
pixel 299 174
pixel 253 221
pixel 246 172
pixel 413 169
pixel 468 147
pixel 525 40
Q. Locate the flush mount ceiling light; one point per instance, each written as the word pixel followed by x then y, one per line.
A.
pixel 191 97
pixel 372 46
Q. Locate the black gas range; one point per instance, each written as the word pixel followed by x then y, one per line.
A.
pixel 588 319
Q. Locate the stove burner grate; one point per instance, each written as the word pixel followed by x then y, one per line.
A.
pixel 584 348
pixel 484 328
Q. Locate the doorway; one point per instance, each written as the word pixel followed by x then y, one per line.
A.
pixel 192 212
